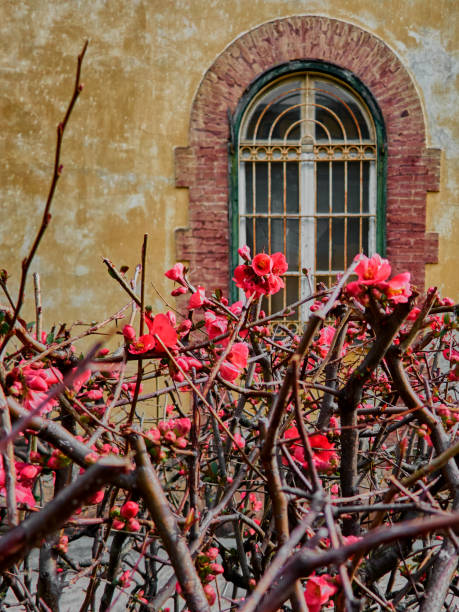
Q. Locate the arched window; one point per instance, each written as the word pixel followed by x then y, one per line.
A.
pixel 307 178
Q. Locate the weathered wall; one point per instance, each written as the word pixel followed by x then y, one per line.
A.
pixel 143 67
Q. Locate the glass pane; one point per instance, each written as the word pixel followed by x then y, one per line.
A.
pixel 249 203
pixel 322 244
pixel 340 102
pixel 338 186
pixel 292 180
pixel 338 244
pixel 353 187
pixel 249 234
pixel 277 235
pixel 365 236
pixel 292 243
pixel 353 240
pixel 326 111
pixel 261 237
pixel 281 98
pixel 277 301
pixel 366 186
pixel 277 187
pixel 323 187
pixel 291 284
pixel 261 187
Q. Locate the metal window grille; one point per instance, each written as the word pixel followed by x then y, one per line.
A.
pixel 307 180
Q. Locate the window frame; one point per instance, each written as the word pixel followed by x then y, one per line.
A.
pixel 289 69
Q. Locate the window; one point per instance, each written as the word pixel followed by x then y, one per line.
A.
pixel 307 187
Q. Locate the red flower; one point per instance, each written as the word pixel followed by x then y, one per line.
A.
pixel 198 299
pixel 325 457
pixel 397 289
pixel 129 510
pixel 176 273
pixel 142 345
pixel 228 371
pixel 372 270
pixel 215 325
pixel 318 591
pixel 161 327
pixel 129 333
pixel 239 354
pixel 244 252
pixel 280 265
pixel 262 264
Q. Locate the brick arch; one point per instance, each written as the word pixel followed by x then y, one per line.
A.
pixel 412 169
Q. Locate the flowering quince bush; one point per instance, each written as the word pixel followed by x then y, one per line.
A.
pixel 277 471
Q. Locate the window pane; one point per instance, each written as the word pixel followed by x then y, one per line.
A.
pixel 249 234
pixel 353 239
pixel 261 238
pixel 261 173
pixel 322 244
pixel 365 237
pixel 323 186
pixel 277 187
pixel 353 187
pixel 277 235
pixel 292 240
pixel 339 101
pixel 338 244
pixel 291 284
pixel 249 203
pixel 338 186
pixel 274 103
pixel 326 110
pixel 292 180
pixel 366 186
pixel 277 301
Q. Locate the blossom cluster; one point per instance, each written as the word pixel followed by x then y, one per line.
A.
pixel 171 434
pixel 373 274
pixel 260 275
pixel 125 517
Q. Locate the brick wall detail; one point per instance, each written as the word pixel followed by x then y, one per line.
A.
pixel 412 169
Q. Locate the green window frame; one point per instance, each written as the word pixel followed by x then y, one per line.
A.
pixel 296 129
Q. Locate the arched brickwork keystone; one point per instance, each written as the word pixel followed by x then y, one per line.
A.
pixel 412 169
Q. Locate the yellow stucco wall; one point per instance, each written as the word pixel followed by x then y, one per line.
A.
pixel 143 66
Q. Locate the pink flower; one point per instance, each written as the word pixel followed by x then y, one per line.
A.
pixel 397 289
pixel 179 291
pixel 210 594
pixel 262 264
pixel 129 510
pixel 239 354
pixel 325 457
pixel 176 273
pixel 239 441
pixel 275 284
pixel 280 265
pixel 96 498
pixel 318 591
pixel 125 579
pixel 228 371
pixel 161 327
pixel 372 270
pixel 244 252
pixel 129 333
pixel 133 525
pixel 215 325
pixel 142 345
pixel 198 299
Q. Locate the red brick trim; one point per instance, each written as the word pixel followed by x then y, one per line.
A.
pixel 412 170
